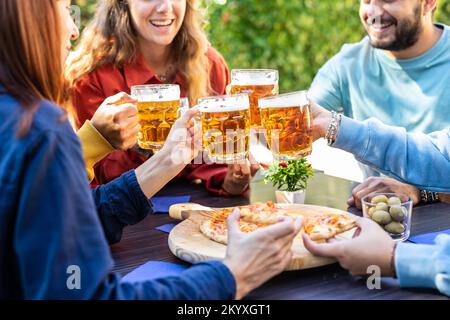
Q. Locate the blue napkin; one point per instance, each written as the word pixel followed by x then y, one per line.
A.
pixel 162 204
pixel 427 238
pixel 152 270
pixel 166 228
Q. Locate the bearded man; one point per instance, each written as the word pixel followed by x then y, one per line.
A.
pixel 399 73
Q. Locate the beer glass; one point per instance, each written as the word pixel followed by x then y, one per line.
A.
pixel 257 83
pixel 225 122
pixel 287 121
pixel 158 108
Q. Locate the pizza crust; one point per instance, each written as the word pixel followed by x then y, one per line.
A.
pixel 207 228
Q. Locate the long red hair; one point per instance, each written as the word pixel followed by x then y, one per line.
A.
pixel 31 66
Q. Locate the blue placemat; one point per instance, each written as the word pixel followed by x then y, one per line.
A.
pixel 152 270
pixel 162 204
pixel 166 228
pixel 427 238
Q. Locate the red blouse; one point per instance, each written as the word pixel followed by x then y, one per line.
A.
pixel 109 80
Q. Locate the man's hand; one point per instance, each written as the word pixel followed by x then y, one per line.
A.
pixel 116 120
pixel 370 246
pixel 382 185
pixel 321 120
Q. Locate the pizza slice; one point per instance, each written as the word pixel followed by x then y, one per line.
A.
pixel 326 226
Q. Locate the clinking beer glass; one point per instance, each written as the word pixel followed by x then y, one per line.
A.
pixel 287 121
pixel 158 108
pixel 225 122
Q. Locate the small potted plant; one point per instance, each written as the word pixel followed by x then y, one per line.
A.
pixel 290 178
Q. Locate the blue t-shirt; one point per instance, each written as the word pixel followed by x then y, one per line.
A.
pixel 363 82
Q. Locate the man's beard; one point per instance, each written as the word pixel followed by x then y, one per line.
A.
pixel 406 35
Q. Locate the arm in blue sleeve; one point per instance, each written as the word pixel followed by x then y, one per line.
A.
pixel 57 228
pixel 415 158
pixel 120 203
pixel 425 266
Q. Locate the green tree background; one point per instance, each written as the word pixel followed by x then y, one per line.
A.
pixel 294 36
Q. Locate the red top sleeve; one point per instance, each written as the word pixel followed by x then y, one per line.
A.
pixel 106 81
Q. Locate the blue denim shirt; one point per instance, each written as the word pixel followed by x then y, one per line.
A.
pixel 415 158
pixel 50 220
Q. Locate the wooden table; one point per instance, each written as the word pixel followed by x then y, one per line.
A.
pixel 142 243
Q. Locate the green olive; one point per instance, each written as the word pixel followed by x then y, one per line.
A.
pixel 382 206
pixel 395 228
pixel 397 213
pixel 394 201
pixel 378 199
pixel 371 211
pixel 381 217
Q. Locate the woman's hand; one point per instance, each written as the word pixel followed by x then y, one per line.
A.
pixel 239 176
pixel 370 246
pixel 184 141
pixel 181 146
pixel 116 120
pixel 382 185
pixel 253 258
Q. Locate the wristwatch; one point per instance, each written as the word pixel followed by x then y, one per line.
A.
pixel 428 196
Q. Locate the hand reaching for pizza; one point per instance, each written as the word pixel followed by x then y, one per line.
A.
pixel 253 258
pixel 370 246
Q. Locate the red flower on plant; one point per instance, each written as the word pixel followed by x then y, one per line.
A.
pixel 283 164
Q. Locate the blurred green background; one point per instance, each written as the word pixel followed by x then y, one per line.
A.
pixel 294 36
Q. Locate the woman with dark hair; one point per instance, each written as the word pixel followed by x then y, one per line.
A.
pixel 50 220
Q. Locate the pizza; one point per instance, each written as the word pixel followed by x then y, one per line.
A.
pixel 252 217
pixel 319 226
pixel 327 226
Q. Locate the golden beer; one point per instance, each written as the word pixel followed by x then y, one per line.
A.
pixel 158 109
pixel 287 121
pixel 257 83
pixel 225 127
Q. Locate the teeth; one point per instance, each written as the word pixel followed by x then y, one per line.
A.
pixel 161 23
pixel 382 26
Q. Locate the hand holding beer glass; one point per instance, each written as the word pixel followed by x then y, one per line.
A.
pixel 288 122
pixel 158 109
pixel 257 83
pixel 226 127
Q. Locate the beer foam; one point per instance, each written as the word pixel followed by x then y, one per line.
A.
pixel 254 77
pixel 294 99
pixel 224 103
pixel 155 93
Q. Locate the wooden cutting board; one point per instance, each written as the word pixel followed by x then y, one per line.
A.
pixel 188 243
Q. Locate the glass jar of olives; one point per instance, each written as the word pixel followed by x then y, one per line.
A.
pixel 392 211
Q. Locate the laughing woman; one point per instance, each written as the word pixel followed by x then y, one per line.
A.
pixel 135 42
pixel 51 222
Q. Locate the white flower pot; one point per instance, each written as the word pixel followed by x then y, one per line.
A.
pixel 290 197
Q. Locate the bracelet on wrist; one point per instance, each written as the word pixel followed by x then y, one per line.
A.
pixel 392 263
pixel 333 128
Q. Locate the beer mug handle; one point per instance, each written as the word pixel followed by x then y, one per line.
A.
pixel 184 107
pixel 228 89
